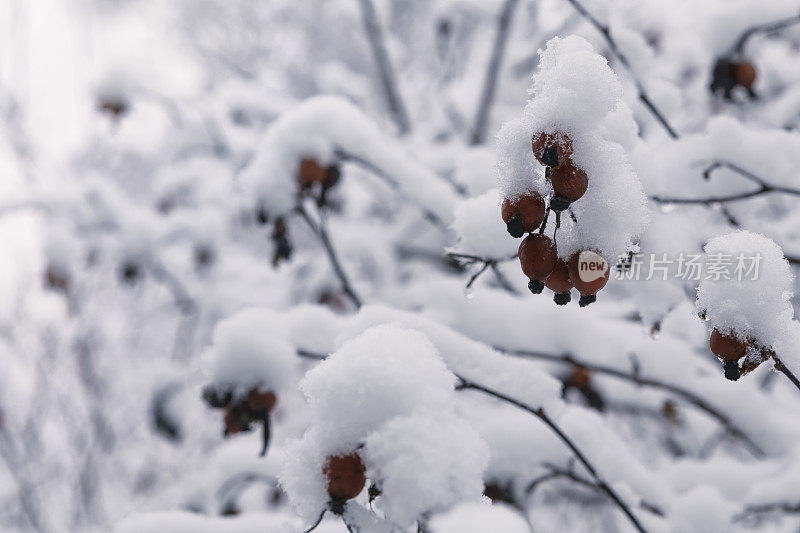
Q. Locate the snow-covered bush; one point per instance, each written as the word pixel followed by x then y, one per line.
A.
pixel 290 227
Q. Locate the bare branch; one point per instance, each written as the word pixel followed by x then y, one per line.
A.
pixel 385 69
pixel 785 371
pixel 322 233
pixel 768 27
pixel 551 424
pixel 640 380
pixel 604 30
pixel 490 80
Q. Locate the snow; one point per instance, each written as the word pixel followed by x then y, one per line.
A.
pixel 759 308
pixel 247 352
pixel 478 232
pixel 425 463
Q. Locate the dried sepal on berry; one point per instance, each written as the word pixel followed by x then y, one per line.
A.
pixel 551 149
pixel 537 257
pixel 523 214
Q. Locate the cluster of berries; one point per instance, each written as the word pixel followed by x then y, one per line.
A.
pixel 731 348
pixel 729 73
pixel 586 271
pixel 241 413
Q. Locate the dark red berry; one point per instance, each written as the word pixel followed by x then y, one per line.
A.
pixel 558 281
pixel 745 74
pixel 589 273
pixel 523 214
pixel 259 400
pixel 310 172
pixel 729 348
pixel 551 149
pixel 537 257
pixel 569 185
pixel 345 474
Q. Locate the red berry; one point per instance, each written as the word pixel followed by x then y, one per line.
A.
pixel 729 348
pixel 523 214
pixel 537 257
pixel 551 149
pixel 580 377
pixel 261 401
pixel 745 74
pixel 589 273
pixel 569 184
pixel 310 172
pixel 345 475
pixel 558 281
pixel 237 419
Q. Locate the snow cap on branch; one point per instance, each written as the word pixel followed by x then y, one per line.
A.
pixel 249 350
pixel 757 305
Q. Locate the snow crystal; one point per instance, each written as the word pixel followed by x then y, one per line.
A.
pixel 425 463
pixel 758 308
pixel 248 351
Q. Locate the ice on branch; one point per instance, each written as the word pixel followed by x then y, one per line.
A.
pixel 249 351
pixel 576 99
pixel 325 128
pixel 751 300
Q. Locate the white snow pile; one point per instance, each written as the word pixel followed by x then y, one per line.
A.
pixel 320 127
pixel 576 93
pixel 388 395
pixel 249 350
pixel 757 305
pixel 478 230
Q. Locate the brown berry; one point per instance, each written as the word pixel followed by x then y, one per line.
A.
pixel 537 257
pixel 551 149
pixel 345 475
pixel 589 273
pixel 310 172
pixel 580 377
pixel 237 419
pixel 523 214
pixel 259 400
pixel 729 348
pixel 569 184
pixel 745 74
pixel 558 281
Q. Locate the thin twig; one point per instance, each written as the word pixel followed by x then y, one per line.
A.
pixel 762 28
pixel 604 30
pixel 764 188
pixel 322 233
pixel 318 522
pixel 551 424
pixel 490 79
pixel 638 379
pixel 393 183
pixel 385 69
pixel 767 508
pixel 785 371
